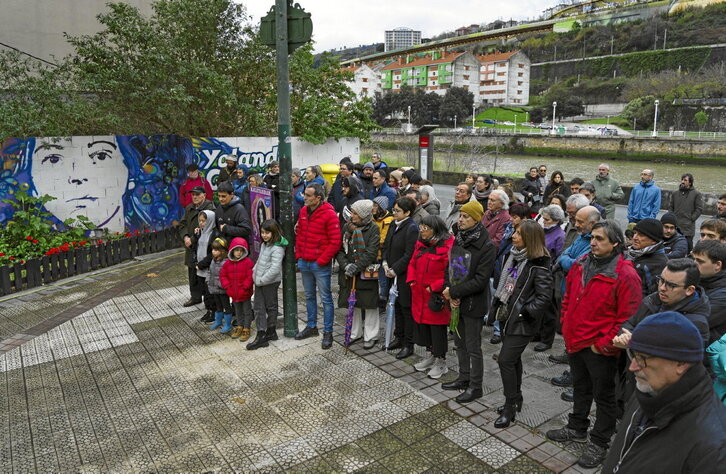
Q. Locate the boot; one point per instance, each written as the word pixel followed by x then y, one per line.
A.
pixel 227 324
pixel 507 416
pixel 208 317
pixel 217 320
pixel 407 351
pixel 271 334
pixel 517 404
pixel 439 368
pixel 245 335
pixel 260 341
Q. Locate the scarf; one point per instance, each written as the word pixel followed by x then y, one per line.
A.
pixel 512 270
pixel 595 265
pixel 203 242
pixel 481 195
pixel 633 253
pixel 465 237
pixel 354 239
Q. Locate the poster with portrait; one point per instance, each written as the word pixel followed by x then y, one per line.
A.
pixel 260 211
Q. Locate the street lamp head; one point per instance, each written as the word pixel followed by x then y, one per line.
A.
pixel 554 104
pixel 657 102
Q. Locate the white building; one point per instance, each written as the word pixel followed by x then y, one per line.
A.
pixel 398 38
pixel 366 80
pixel 504 79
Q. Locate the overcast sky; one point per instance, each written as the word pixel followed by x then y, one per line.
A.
pixel 353 23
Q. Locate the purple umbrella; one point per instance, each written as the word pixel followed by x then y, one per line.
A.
pixel 349 316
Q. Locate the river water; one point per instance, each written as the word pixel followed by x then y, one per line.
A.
pixel 708 179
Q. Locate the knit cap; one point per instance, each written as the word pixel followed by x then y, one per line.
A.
pixel 650 228
pixel 668 335
pixel 474 209
pixel 669 218
pixel 363 208
pixel 382 202
pixel 369 165
pixel 398 174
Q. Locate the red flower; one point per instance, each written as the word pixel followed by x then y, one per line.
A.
pixel 28 238
pixel 35 241
pixel 2 254
pixel 128 234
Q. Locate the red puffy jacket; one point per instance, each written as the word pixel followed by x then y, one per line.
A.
pixel 425 275
pixel 594 313
pixel 317 238
pixel 185 190
pixel 236 274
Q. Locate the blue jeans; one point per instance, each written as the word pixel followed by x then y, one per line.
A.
pixel 317 279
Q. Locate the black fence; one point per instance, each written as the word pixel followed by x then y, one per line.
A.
pixel 39 271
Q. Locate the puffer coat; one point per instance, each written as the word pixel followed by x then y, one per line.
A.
pixel 426 275
pixel 236 274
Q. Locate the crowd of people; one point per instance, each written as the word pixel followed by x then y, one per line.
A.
pixel 642 311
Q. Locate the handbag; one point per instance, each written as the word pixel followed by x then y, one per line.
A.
pixel 436 302
pixel 370 272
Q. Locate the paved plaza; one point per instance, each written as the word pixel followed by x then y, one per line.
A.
pixel 109 373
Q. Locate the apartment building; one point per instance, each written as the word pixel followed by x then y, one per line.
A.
pixel 366 80
pixel 399 38
pixel 434 72
pixel 504 79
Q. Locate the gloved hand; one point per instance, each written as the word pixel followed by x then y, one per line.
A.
pixel 350 270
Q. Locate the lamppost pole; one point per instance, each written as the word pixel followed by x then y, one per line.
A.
pixel 515 124
pixel 473 116
pixel 409 117
pixel 655 119
pixel 454 121
pixel 554 114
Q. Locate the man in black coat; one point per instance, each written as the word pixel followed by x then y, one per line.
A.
pixel 647 253
pixel 272 181
pixel 472 262
pixel 232 218
pixel 397 252
pixel 674 423
pixel 189 222
pixel 710 256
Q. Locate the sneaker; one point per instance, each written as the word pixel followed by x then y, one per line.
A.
pixel 245 334
pixel 567 434
pixel 307 332
pixel 593 456
pixel 439 368
pixel 559 359
pixel 564 380
pixel 237 332
pixel 425 364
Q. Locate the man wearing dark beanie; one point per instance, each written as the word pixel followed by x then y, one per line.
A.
pixel 674 243
pixel 674 423
pixel 647 253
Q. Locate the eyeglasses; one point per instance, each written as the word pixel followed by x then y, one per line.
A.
pixel 668 284
pixel 640 359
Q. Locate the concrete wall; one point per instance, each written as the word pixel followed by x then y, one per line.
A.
pixel 132 182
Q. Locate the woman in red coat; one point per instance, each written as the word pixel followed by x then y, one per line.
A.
pixel 425 276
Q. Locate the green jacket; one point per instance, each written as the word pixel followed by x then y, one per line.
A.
pixel 607 193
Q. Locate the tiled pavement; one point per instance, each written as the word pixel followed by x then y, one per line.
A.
pixel 110 373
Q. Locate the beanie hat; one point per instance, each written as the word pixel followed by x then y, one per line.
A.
pixel 668 335
pixel 363 208
pixel 397 174
pixel 382 202
pixel 368 165
pixel 669 218
pixel 652 228
pixel 474 209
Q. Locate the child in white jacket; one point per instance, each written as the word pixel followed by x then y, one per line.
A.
pixel 267 276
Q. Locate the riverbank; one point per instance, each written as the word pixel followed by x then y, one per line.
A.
pixel 665 150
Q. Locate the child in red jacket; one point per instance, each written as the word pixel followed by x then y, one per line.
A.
pixel 236 279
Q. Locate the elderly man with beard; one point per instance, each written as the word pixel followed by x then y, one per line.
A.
pixel 687 205
pixel 674 423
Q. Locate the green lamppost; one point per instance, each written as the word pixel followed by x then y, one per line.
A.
pixel 285 28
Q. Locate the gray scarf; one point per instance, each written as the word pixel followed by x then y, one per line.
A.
pixel 510 272
pixel 203 242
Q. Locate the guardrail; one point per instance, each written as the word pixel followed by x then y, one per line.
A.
pixel 35 272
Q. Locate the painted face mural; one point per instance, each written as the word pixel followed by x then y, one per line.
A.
pixel 87 175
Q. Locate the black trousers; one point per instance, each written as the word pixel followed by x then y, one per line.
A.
pixel 196 284
pixel 222 303
pixel 593 378
pixel 510 365
pixel 404 324
pixel 209 303
pixel 433 336
pixel 468 351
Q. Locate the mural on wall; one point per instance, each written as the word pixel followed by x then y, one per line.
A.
pixel 131 182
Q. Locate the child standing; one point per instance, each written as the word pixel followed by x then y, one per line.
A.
pixel 202 240
pixel 236 278
pixel 221 300
pixel 267 275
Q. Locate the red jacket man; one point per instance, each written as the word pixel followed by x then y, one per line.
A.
pixel 193 180
pixel 603 291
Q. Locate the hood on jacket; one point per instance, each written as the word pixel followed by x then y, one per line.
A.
pixel 238 242
pixel 283 242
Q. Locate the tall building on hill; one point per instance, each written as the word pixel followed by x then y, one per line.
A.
pixel 398 38
pixel 36 27
pixel 504 79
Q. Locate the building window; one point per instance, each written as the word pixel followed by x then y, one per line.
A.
pixel 466 78
pixel 365 79
pixel 365 89
pixel 519 83
pixel 519 92
pixel 520 66
pixel 501 73
pixel 520 74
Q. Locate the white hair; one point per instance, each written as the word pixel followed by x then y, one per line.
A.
pixel 605 165
pixel 579 200
pixel 555 212
pixel 429 191
pixel 502 197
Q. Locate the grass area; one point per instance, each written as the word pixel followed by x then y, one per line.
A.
pixel 502 114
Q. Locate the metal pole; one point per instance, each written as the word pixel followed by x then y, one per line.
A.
pixel 554 110
pixel 655 119
pixel 284 150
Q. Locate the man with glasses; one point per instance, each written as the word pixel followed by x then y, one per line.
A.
pixel 462 195
pixel 542 180
pixel 675 422
pixel 602 292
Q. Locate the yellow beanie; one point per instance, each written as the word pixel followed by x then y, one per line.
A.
pixel 473 209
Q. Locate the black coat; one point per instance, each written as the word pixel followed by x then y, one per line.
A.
pixel 272 181
pixel 188 223
pixel 236 220
pixel 366 290
pixel 531 298
pixel 649 266
pixel 684 432
pixel 473 291
pixel 715 287
pixel 553 189
pixel 397 251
